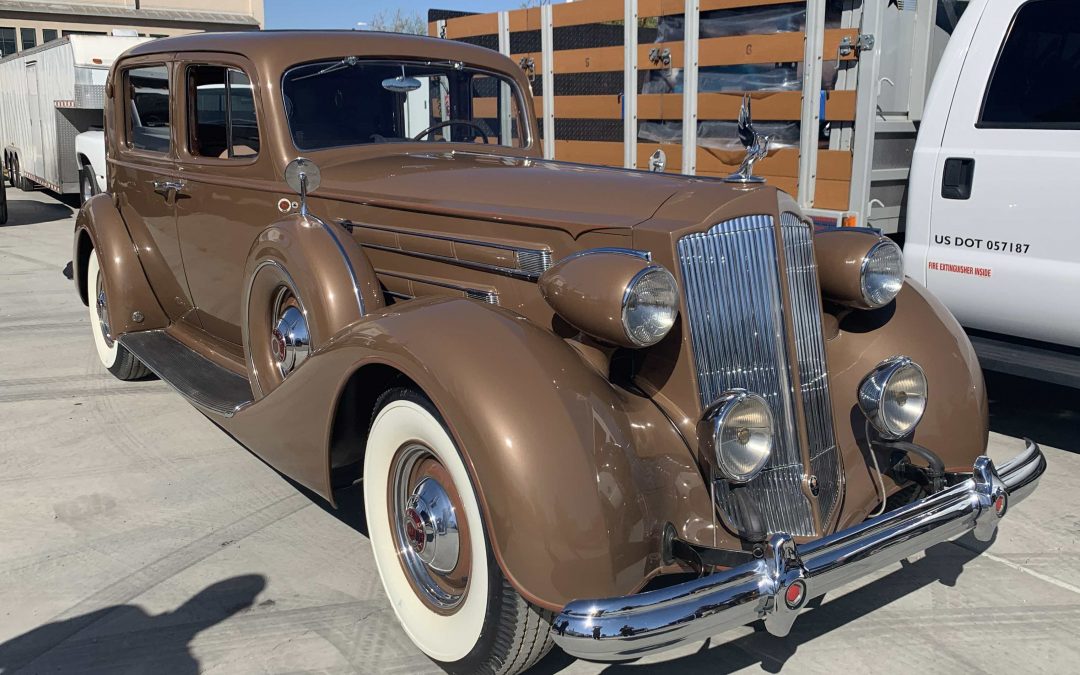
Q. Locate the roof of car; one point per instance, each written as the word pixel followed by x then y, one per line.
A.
pixel 296 46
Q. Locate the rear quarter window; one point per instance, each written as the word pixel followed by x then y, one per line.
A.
pixel 147 100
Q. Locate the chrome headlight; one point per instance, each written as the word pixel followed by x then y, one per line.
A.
pixel 738 429
pixel 650 305
pixel 882 273
pixel 893 396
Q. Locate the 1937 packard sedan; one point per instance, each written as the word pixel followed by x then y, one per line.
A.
pixel 610 409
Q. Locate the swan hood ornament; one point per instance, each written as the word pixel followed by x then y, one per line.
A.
pixel 757 146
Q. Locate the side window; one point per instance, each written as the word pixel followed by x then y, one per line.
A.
pixel 147 99
pixel 1036 80
pixel 222 113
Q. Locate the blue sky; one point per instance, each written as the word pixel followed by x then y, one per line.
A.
pixel 346 13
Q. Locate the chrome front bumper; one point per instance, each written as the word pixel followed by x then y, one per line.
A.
pixel 617 629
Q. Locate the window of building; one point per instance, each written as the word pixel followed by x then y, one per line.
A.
pixel 1036 81
pixel 84 32
pixel 28 37
pixel 146 91
pixel 7 41
pixel 222 109
pixel 48 35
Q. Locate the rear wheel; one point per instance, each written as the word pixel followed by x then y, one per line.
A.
pixel 18 179
pixel 431 548
pixel 114 356
pixel 3 203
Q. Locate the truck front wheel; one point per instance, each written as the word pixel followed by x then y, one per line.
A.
pixel 431 549
pixel 88 186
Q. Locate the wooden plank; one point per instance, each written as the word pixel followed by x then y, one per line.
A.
pixel 833 165
pixel 606 107
pixel 587 11
pixel 649 8
pixel 768 106
pixel 525 19
pixel 472 25
pixel 724 51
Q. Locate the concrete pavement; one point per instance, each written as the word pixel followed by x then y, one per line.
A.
pixel 135 536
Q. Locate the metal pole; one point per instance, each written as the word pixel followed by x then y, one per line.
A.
pixel 691 26
pixel 505 113
pixel 810 119
pixel 548 78
pixel 862 160
pixel 630 80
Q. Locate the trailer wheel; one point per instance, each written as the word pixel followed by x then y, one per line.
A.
pixel 3 203
pixel 88 186
pixel 18 179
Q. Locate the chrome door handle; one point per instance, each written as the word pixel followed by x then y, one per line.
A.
pixel 164 187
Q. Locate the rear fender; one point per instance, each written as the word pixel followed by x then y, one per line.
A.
pixel 577 478
pixel 100 227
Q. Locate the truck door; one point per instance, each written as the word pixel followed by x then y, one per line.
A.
pixel 1002 251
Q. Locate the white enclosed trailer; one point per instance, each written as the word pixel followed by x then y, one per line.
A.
pixel 49 95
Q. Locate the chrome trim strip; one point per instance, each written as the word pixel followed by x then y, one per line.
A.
pixel 644 255
pixel 804 291
pixel 348 262
pixel 484 294
pixel 532 262
pixel 731 283
pixel 615 629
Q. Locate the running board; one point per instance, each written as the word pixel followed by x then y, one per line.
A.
pixel 198 379
pixel 1028 360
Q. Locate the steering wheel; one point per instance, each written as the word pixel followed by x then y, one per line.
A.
pixel 447 123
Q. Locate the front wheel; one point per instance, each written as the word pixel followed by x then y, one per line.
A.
pixel 88 186
pixel 113 355
pixel 431 549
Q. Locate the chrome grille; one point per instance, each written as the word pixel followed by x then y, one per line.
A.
pixel 810 350
pixel 733 301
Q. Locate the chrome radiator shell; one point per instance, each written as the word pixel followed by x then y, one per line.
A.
pixel 739 327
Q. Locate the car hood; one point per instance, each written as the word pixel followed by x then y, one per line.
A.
pixel 572 197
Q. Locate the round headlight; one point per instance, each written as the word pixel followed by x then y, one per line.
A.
pixel 650 305
pixel 740 429
pixel 882 274
pixel 893 396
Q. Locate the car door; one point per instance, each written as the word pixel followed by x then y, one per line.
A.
pixel 1002 252
pixel 146 178
pixel 228 184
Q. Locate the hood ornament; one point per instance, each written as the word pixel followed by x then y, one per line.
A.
pixel 757 147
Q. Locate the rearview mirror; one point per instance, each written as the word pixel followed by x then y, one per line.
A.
pixel 401 84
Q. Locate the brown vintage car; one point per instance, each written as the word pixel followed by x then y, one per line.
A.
pixel 612 409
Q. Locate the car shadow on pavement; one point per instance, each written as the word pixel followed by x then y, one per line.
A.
pixel 943 563
pixel 126 639
pixel 30 212
pixel 1048 414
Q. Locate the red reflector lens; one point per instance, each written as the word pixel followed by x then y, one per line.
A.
pixel 793 596
pixel 999 505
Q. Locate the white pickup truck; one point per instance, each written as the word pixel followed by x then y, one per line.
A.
pixel 991 228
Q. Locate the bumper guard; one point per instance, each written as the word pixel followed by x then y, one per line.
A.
pixel 777 586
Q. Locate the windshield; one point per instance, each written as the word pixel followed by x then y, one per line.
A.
pixel 356 102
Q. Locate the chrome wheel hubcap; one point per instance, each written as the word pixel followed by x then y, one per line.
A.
pixel 290 342
pixel 425 520
pixel 102 310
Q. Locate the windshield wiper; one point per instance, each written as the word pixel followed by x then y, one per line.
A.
pixel 347 62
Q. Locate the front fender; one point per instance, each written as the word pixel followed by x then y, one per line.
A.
pixel 100 227
pixel 577 478
pixel 956 423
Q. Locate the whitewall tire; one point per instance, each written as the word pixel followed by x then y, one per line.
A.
pixel 456 607
pixel 113 355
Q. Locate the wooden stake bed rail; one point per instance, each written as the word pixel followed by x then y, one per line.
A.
pixel 581 114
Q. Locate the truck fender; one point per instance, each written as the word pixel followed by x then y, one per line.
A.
pixel 577 479
pixel 132 304
pixel 322 268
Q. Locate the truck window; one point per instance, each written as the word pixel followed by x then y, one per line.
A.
pixel 352 101
pixel 222 121
pixel 1036 81
pixel 146 97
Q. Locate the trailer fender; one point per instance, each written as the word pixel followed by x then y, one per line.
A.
pixel 132 304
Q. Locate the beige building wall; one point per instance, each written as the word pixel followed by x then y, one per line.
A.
pixel 28 23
